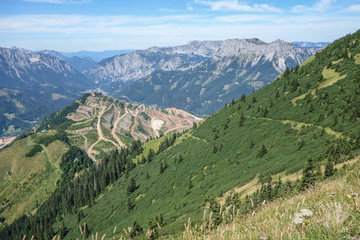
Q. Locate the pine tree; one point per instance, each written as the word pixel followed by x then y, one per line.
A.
pixel 215 209
pixel 242 119
pixel 162 169
pixel 215 149
pixel 266 111
pixel 329 169
pixel 301 144
pixel 308 178
pixel 131 187
pixel 130 205
pixel 252 144
pixel 262 151
pixel 180 158
pixel 189 187
pixel 243 98
pixel 136 230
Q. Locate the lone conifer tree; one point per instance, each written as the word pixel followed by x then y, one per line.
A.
pixel 131 187
pixel 262 151
pixel 329 169
pixel 308 177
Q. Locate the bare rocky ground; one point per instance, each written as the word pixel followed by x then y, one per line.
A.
pixel 115 121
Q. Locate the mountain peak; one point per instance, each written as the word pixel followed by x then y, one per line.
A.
pixel 154 49
pixel 256 41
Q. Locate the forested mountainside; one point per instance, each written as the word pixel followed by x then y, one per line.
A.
pixel 72 139
pixel 240 66
pixel 32 86
pixel 273 143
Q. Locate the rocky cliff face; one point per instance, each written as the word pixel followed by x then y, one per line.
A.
pixel 138 64
pixel 254 51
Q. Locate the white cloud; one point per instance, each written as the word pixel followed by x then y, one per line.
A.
pixel 320 6
pixel 234 5
pixel 92 25
pixel 354 8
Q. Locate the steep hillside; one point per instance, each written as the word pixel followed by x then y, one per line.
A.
pixel 28 177
pixel 99 124
pixel 239 67
pixel 32 86
pixel 272 132
pixel 329 210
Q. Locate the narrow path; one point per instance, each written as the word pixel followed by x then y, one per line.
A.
pixel 285 121
pixel 133 127
pixel 85 141
pixel 100 133
pixel 176 128
pixel 49 158
pixel 98 126
pixel 113 131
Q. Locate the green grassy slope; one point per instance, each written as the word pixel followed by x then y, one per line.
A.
pixel 28 181
pixel 224 151
pixel 335 215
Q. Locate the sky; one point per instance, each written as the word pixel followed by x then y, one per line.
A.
pixel 97 25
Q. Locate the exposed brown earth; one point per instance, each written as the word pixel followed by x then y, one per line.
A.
pixel 115 118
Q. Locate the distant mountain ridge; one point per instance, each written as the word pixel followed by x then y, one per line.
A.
pixel 96 56
pixel 199 77
pixel 238 67
pixel 138 64
pixel 79 63
pixel 34 85
pixel 316 45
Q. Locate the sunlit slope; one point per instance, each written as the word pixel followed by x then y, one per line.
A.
pixel 258 136
pixel 26 182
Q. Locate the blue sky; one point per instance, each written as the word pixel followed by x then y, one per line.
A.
pixel 96 25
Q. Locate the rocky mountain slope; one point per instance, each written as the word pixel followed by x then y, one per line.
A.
pixel 135 65
pixel 238 67
pixel 79 63
pixel 34 85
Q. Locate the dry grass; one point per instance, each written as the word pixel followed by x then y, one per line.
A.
pixel 357 58
pixel 335 205
pixel 330 76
